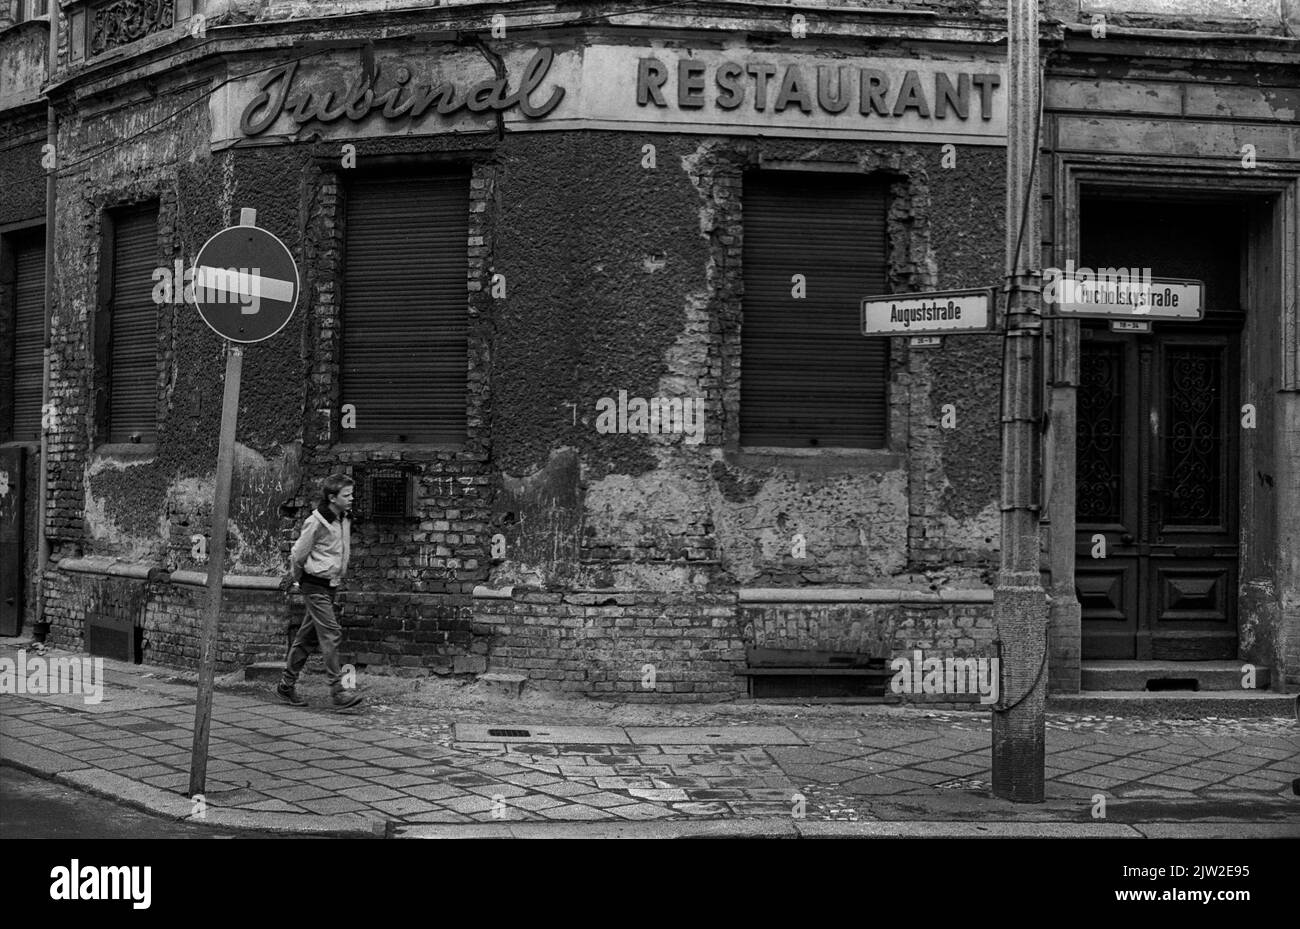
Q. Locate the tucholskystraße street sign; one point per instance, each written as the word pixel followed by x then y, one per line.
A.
pixel 944 312
pixel 1121 295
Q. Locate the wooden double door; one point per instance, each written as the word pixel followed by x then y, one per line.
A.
pixel 1159 431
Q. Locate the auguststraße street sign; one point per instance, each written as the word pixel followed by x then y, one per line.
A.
pixel 1122 295
pixel 925 315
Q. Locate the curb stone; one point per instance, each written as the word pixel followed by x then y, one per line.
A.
pixel 159 802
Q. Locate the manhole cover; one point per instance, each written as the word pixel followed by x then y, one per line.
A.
pixel 509 733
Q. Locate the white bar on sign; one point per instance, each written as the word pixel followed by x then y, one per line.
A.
pixel 242 283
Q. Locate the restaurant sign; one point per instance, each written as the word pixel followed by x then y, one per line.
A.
pixel 731 90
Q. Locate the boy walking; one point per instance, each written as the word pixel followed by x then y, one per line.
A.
pixel 317 565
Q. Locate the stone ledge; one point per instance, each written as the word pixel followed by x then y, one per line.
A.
pixel 228 582
pixel 748 595
pixel 111 567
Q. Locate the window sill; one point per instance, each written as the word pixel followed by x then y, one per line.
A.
pixel 816 460
pixel 395 450
pixel 127 451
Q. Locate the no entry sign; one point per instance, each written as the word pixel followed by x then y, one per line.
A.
pixel 245 284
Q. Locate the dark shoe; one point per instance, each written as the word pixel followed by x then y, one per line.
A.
pixel 343 699
pixel 289 695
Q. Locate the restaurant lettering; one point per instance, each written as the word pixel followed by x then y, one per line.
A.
pixel 832 89
pixel 276 95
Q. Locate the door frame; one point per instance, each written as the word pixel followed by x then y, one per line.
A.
pixel 1268 593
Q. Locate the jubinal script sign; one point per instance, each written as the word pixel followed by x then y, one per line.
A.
pixel 731 90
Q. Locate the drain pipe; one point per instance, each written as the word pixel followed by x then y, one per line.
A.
pixel 41 629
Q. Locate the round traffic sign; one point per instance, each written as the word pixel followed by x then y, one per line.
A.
pixel 245 284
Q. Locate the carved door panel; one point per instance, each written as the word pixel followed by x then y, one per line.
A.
pixel 1156 505
pixel 1192 572
pixel 1107 494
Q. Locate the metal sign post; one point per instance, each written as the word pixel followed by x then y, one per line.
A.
pixel 244 291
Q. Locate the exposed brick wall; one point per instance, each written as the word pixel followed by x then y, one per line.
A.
pixel 598 643
pixel 878 630
pixel 424 631
pixel 253 627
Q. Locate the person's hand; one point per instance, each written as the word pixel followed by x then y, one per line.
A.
pixel 287 584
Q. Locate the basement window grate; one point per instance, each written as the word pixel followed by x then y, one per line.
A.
pixel 1173 683
pixel 510 733
pixel 384 493
pixel 114 637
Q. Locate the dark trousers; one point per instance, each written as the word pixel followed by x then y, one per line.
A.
pixel 319 628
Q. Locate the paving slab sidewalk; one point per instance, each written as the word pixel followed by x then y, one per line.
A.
pixel 393 771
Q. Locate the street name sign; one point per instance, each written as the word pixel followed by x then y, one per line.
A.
pixel 945 312
pixel 1122 294
pixel 245 284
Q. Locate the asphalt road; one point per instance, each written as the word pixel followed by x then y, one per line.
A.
pixel 32 808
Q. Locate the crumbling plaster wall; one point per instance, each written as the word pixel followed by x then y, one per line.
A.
pixel 146 504
pixel 635 284
pixel 620 277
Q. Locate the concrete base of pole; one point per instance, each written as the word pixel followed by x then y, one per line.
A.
pixel 1020 612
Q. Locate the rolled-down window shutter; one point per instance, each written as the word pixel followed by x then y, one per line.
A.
pixel 809 378
pixel 405 359
pixel 29 336
pixel 133 346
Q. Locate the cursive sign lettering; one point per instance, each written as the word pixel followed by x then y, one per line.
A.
pixel 276 96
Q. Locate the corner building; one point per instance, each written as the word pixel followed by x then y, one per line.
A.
pixel 580 314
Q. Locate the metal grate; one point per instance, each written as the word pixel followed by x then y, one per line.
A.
pixel 510 733
pixel 385 493
pixel 113 638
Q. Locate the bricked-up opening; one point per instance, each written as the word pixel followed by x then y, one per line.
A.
pixel 126 327
pixel 22 274
pixel 808 376
pixel 404 353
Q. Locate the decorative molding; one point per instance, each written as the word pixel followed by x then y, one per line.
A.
pixel 120 22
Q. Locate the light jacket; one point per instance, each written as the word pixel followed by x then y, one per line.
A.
pixel 323 547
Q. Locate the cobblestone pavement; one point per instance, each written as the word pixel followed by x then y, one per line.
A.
pixel 401 763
